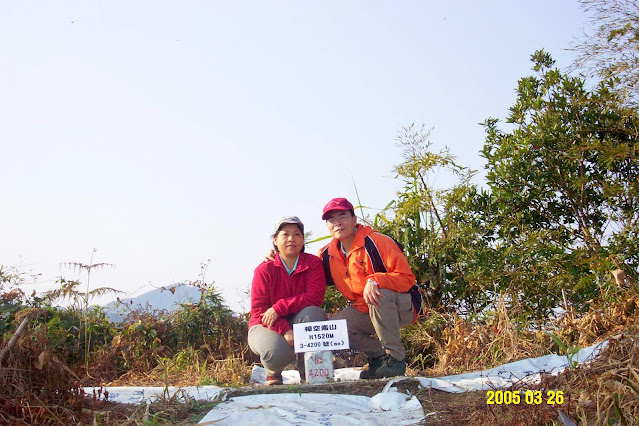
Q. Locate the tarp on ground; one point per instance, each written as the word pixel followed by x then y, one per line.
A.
pixel 388 407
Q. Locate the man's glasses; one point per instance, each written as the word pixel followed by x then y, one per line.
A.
pixel 340 218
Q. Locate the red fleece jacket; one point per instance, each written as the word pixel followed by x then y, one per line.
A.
pixel 272 286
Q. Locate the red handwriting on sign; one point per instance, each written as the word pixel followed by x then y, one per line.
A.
pixel 318 372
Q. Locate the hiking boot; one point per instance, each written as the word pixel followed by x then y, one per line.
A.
pixel 273 380
pixel 390 367
pixel 373 365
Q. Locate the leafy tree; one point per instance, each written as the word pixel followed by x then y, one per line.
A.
pixel 471 212
pixel 566 181
pixel 561 211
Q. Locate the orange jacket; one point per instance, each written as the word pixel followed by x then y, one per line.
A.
pixel 350 273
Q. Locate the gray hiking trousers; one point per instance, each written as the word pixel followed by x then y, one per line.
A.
pixel 377 332
pixel 275 354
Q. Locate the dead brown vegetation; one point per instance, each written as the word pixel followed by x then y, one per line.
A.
pixel 36 386
pixel 602 320
pixel 608 387
pixel 469 346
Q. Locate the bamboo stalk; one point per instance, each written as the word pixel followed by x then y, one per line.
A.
pixel 15 337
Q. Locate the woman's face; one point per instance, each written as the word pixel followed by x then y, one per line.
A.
pixel 289 240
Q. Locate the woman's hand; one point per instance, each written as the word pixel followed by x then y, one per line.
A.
pixel 269 317
pixel 270 256
pixel 288 336
pixel 371 293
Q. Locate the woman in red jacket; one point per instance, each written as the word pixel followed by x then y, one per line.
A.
pixel 284 292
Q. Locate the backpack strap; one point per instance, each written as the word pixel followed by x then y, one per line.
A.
pixel 378 266
pixel 373 255
pixel 327 267
pixel 418 300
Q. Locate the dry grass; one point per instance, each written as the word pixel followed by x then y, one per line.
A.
pixel 189 370
pixel 604 391
pixel 36 388
pixel 602 320
pixel 607 388
pixel 462 345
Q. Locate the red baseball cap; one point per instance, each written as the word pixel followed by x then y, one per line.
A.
pixel 336 204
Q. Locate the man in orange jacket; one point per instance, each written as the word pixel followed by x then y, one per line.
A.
pixel 380 302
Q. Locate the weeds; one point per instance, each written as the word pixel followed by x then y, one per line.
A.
pixel 147 350
pixel 569 351
pixel 87 296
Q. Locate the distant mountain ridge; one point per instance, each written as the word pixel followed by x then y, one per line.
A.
pixel 160 298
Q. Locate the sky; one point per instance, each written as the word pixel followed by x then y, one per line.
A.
pixel 164 134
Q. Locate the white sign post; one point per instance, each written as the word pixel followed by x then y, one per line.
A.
pixel 318 340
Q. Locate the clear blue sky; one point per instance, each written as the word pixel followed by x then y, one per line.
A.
pixel 167 133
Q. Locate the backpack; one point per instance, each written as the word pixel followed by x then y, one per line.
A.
pixel 378 266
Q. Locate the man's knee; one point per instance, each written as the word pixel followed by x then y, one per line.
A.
pixel 389 295
pixel 394 300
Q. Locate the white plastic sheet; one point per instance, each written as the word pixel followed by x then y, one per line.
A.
pixel 388 407
pixel 138 394
pixel 391 408
pixel 526 371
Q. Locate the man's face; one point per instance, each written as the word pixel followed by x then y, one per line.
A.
pixel 341 224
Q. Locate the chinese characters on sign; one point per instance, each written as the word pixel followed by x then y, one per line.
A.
pixel 321 336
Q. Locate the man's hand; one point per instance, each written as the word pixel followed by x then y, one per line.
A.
pixel 270 256
pixel 288 336
pixel 269 317
pixel 372 294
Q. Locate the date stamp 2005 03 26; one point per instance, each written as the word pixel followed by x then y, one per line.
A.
pixel 530 397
